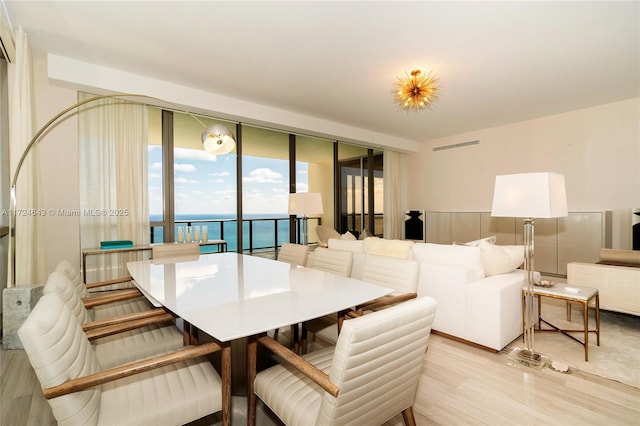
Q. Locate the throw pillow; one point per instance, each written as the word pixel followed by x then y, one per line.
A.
pixel 348 236
pixel 389 248
pixel 475 243
pixel 346 245
pixel 500 259
pixel 462 256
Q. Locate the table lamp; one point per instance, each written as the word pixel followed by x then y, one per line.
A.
pixel 305 204
pixel 530 196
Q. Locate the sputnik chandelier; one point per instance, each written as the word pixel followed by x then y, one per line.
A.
pixel 415 90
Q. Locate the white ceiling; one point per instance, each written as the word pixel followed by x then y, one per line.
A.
pixel 498 62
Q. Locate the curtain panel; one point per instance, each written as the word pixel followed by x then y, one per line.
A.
pixel 393 195
pixel 113 180
pixel 29 234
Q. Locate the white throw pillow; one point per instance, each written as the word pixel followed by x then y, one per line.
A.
pixel 462 256
pixel 475 243
pixel 500 259
pixel 346 245
pixel 389 248
pixel 348 236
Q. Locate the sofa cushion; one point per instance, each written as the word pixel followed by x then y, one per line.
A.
pixel 475 243
pixel 353 246
pixel 451 255
pixel 500 259
pixel 389 248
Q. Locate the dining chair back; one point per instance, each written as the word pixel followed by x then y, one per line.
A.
pixel 71 272
pixel 59 352
pixel 338 262
pixel 373 371
pixel 401 275
pixel 295 254
pixel 121 347
pixel 88 290
pixel 159 251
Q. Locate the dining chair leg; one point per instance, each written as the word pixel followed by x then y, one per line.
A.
pixel 407 416
pixel 341 317
pixel 296 338
pixel 252 351
pixel 303 339
pixel 226 385
pixel 186 333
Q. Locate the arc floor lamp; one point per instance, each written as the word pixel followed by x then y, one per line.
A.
pixel 216 139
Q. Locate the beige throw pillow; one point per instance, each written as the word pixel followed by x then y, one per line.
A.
pixel 500 259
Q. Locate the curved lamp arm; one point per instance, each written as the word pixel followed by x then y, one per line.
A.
pixel 11 267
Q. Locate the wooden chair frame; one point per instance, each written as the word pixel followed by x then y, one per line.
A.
pixel 130 369
pixel 303 366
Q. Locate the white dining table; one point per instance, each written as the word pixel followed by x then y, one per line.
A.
pixel 230 296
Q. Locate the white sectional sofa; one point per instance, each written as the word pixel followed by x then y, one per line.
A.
pixel 477 286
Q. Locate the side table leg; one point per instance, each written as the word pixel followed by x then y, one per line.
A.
pixel 598 318
pixel 585 310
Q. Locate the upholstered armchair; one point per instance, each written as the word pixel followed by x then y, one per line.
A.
pixel 174 388
pixel 296 254
pixel 401 275
pixel 367 378
pixel 118 338
pixel 73 274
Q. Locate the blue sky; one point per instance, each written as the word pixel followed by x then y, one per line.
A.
pixel 206 184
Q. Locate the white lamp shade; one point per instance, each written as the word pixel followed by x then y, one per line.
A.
pixel 530 195
pixel 218 140
pixel 305 203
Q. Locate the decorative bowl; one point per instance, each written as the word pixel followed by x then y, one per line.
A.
pixel 545 283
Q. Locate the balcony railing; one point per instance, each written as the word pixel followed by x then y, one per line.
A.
pixel 259 234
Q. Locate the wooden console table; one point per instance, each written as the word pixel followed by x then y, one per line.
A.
pixel 222 247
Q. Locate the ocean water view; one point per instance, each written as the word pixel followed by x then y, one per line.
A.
pixel 260 231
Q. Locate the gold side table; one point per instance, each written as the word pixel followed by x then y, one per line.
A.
pixel 570 294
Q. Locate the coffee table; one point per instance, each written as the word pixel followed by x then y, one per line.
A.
pixel 570 294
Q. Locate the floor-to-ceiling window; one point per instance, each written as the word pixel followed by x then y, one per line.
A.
pixel 191 191
pixel 360 190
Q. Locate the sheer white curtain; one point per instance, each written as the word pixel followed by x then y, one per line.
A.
pixel 393 194
pixel 29 247
pixel 113 180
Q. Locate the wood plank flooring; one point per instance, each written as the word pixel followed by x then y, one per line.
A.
pixel 459 385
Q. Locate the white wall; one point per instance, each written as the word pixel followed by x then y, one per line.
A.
pixel 597 149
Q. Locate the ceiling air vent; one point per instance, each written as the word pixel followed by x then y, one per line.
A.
pixel 455 145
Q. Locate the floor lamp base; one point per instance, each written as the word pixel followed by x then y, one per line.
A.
pixel 529 358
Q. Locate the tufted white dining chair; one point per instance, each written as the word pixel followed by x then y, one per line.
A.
pixel 118 338
pixel 174 388
pixel 295 254
pixel 401 275
pixel 366 379
pixel 337 262
pixel 160 251
pixel 87 290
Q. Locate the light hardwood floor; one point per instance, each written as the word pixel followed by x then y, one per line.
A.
pixel 459 385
